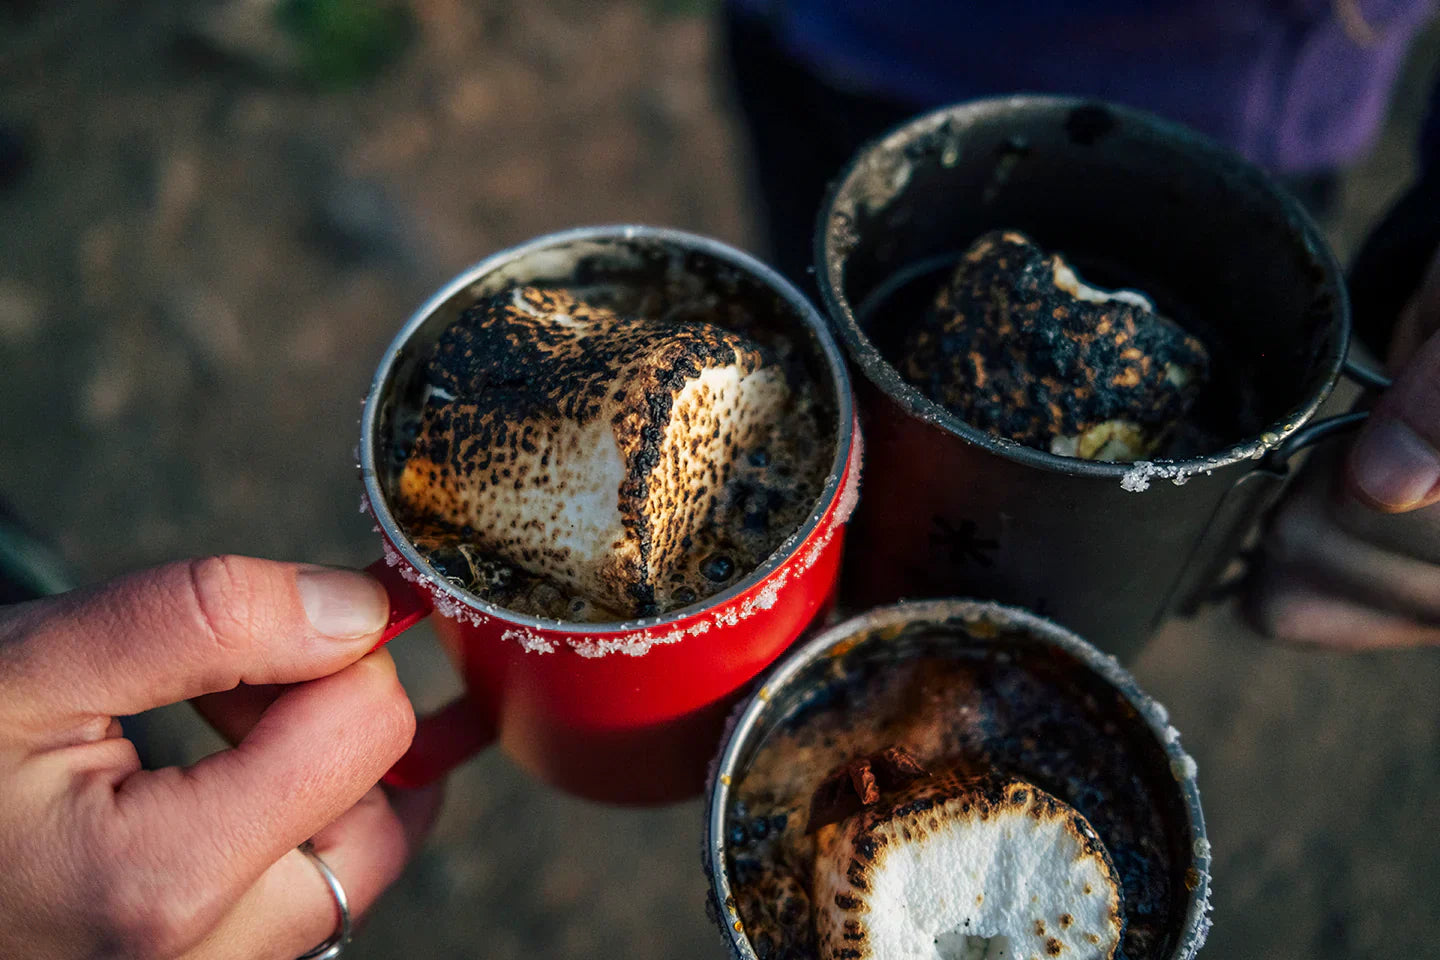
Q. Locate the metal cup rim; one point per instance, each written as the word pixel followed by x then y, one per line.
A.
pixel 888 380
pixel 803 310
pixel 746 720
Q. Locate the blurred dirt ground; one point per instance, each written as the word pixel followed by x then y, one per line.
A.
pixel 205 258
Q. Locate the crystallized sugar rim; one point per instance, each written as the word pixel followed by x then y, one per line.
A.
pixel 1137 478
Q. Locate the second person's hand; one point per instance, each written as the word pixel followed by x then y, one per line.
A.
pixel 1352 557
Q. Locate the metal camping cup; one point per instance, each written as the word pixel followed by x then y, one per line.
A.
pixel 1108 549
pixel 807 676
pixel 619 712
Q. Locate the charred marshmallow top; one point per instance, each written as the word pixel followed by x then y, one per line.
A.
pixel 584 445
pixel 954 869
pixel 1018 345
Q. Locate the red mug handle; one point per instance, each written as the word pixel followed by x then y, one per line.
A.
pixel 453 734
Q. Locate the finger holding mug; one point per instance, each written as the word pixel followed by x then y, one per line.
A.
pixel 105 858
pixel 1352 558
pixel 1395 465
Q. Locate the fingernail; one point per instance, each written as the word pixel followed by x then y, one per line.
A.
pixel 1394 466
pixel 342 603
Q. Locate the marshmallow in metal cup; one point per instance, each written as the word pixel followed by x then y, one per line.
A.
pixel 1132 201
pixel 990 702
pixel 624 712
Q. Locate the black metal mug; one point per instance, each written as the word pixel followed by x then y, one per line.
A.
pixel 1108 549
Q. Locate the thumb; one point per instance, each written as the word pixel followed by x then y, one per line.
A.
pixel 178 631
pixel 1395 463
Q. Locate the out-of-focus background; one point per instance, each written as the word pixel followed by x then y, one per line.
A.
pixel 214 219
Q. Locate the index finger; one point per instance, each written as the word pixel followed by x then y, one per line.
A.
pixel 185 629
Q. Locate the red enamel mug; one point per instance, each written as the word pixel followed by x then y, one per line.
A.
pixel 617 712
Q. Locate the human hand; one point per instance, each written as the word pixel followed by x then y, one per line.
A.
pixel 1352 557
pixel 103 859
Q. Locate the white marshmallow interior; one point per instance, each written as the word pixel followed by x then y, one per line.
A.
pixel 1010 885
pixel 1069 281
pixel 558 503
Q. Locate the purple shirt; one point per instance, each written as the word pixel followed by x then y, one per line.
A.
pixel 1295 85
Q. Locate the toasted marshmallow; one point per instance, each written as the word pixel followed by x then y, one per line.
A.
pixel 1018 345
pixel 584 445
pixel 952 869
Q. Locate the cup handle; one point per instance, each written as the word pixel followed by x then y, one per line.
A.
pixel 408 604
pixel 453 734
pixel 1369 378
pixel 1257 492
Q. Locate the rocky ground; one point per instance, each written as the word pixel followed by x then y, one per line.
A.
pixel 203 260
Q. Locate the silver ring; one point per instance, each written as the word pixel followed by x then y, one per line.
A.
pixel 335 944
